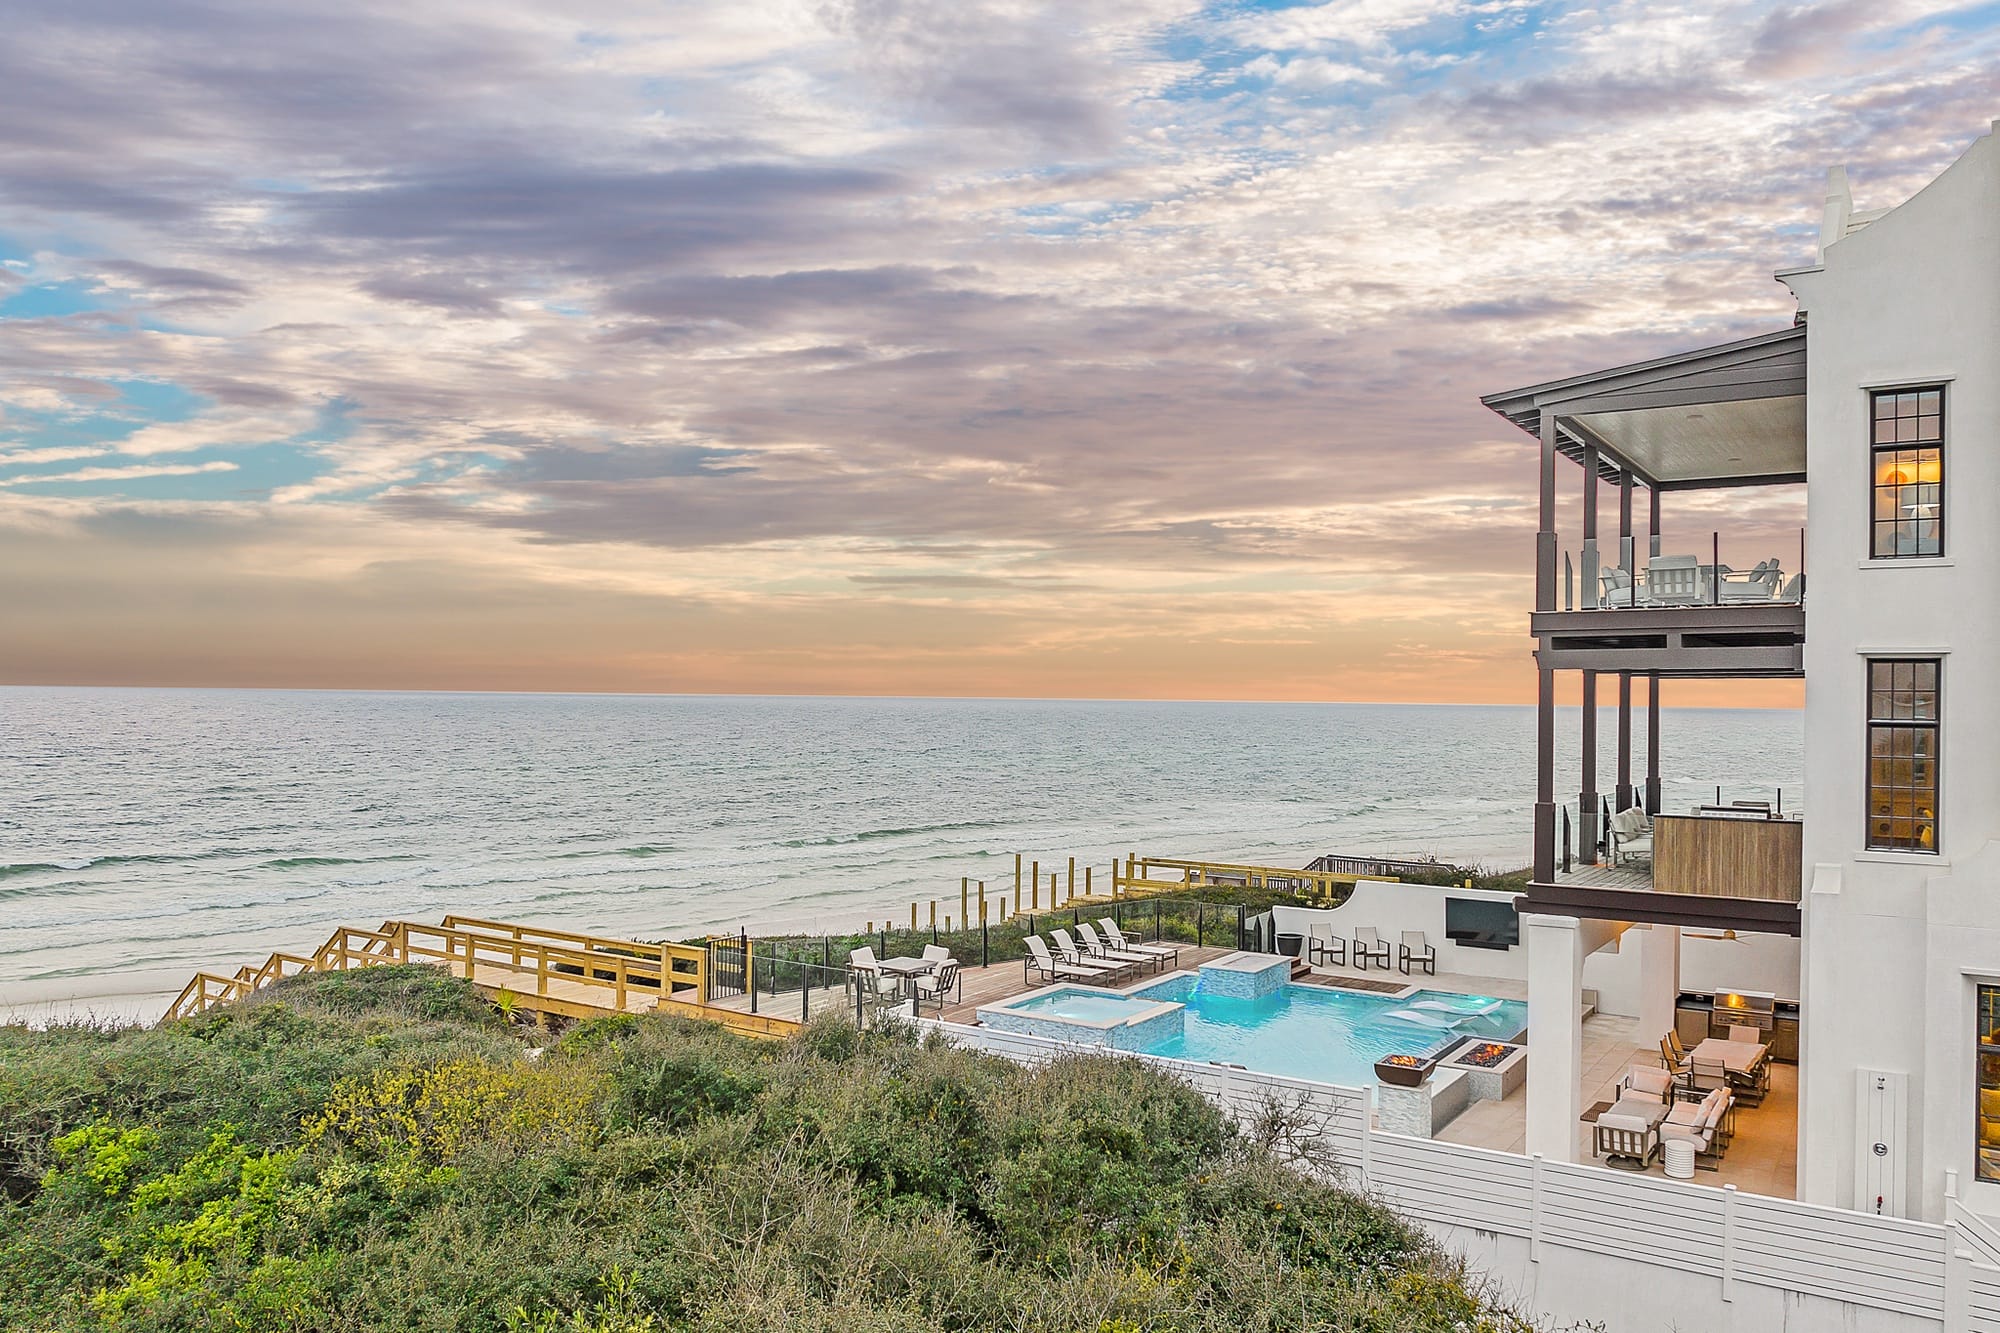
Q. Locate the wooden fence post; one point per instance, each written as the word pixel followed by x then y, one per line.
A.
pixel 964 897
pixel 1071 882
pixel 1035 882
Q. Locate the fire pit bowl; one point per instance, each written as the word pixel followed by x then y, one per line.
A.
pixel 1405 1071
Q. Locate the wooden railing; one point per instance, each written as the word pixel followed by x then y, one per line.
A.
pixel 1137 876
pixel 550 965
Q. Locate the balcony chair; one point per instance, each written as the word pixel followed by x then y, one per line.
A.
pixel 1323 946
pixel 1674 580
pixel 1370 947
pixel 1631 832
pixel 1416 948
pixel 1617 589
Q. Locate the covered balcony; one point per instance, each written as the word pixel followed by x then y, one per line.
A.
pixel 1623 605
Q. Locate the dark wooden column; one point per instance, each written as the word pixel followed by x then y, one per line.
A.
pixel 1653 744
pixel 1586 797
pixel 1622 797
pixel 1545 776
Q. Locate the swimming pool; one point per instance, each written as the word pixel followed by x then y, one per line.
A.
pixel 1322 1033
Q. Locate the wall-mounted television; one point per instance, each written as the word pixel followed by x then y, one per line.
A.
pixel 1479 924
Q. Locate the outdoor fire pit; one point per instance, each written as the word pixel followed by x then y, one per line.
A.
pixel 1404 1071
pixel 1494 1068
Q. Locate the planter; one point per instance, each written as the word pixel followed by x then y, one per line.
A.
pixel 1404 1071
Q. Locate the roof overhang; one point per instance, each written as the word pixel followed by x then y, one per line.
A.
pixel 1730 415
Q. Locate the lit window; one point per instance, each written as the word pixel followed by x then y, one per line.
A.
pixel 1903 754
pixel 1908 453
pixel 1986 1120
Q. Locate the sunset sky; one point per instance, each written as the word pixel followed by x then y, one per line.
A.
pixel 1088 347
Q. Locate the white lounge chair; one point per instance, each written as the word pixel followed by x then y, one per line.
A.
pixel 1097 948
pixel 1039 959
pixel 1119 940
pixel 1436 1021
pixel 1445 1007
pixel 1073 954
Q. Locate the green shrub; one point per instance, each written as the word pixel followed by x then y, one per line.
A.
pixel 378 1151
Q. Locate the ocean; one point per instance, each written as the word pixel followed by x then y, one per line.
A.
pixel 145 834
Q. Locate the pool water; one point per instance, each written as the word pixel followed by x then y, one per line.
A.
pixel 1321 1033
pixel 1081 1005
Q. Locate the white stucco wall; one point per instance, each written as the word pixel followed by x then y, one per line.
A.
pixel 1894 941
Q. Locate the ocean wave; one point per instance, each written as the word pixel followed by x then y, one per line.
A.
pixel 873 835
pixel 640 850
pixel 74 863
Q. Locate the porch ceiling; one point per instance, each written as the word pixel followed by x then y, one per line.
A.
pixel 1728 415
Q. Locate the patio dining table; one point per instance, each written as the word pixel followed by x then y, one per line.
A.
pixel 1738 1057
pixel 904 970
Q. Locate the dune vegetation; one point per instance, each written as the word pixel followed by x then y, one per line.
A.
pixel 385 1149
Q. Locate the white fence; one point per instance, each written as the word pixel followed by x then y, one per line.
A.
pixel 1765 1252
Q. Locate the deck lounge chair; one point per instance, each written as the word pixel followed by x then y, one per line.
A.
pixel 1096 948
pixel 1039 960
pixel 1369 946
pixel 1460 1011
pixel 935 986
pixel 1072 953
pixel 1119 940
pixel 1631 833
pixel 1417 948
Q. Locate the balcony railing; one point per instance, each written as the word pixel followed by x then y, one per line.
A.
pixel 1680 580
pixel 1738 852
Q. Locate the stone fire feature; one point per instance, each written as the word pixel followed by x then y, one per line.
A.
pixel 1425 1109
pixel 1490 1082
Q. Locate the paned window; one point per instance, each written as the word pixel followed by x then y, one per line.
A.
pixel 1986 1119
pixel 1903 754
pixel 1908 452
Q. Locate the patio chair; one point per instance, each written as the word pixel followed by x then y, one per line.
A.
pixel 1097 948
pixel 863 974
pixel 1070 952
pixel 1673 1057
pixel 1617 588
pixel 1645 1081
pixel 1630 1137
pixel 1416 948
pixel 1370 947
pixel 1706 1075
pixel 1631 832
pixel 934 986
pixel 1323 946
pixel 1746 1033
pixel 1039 960
pixel 936 953
pixel 1119 940
pixel 1701 1134
pixel 1717 1111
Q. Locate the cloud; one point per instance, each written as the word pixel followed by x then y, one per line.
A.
pixel 134 472
pixel 804 319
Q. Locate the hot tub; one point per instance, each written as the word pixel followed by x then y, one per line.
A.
pixel 1088 1015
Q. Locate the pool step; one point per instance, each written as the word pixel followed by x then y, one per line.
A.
pixel 1300 968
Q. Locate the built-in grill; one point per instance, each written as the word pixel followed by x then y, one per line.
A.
pixel 1746 1008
